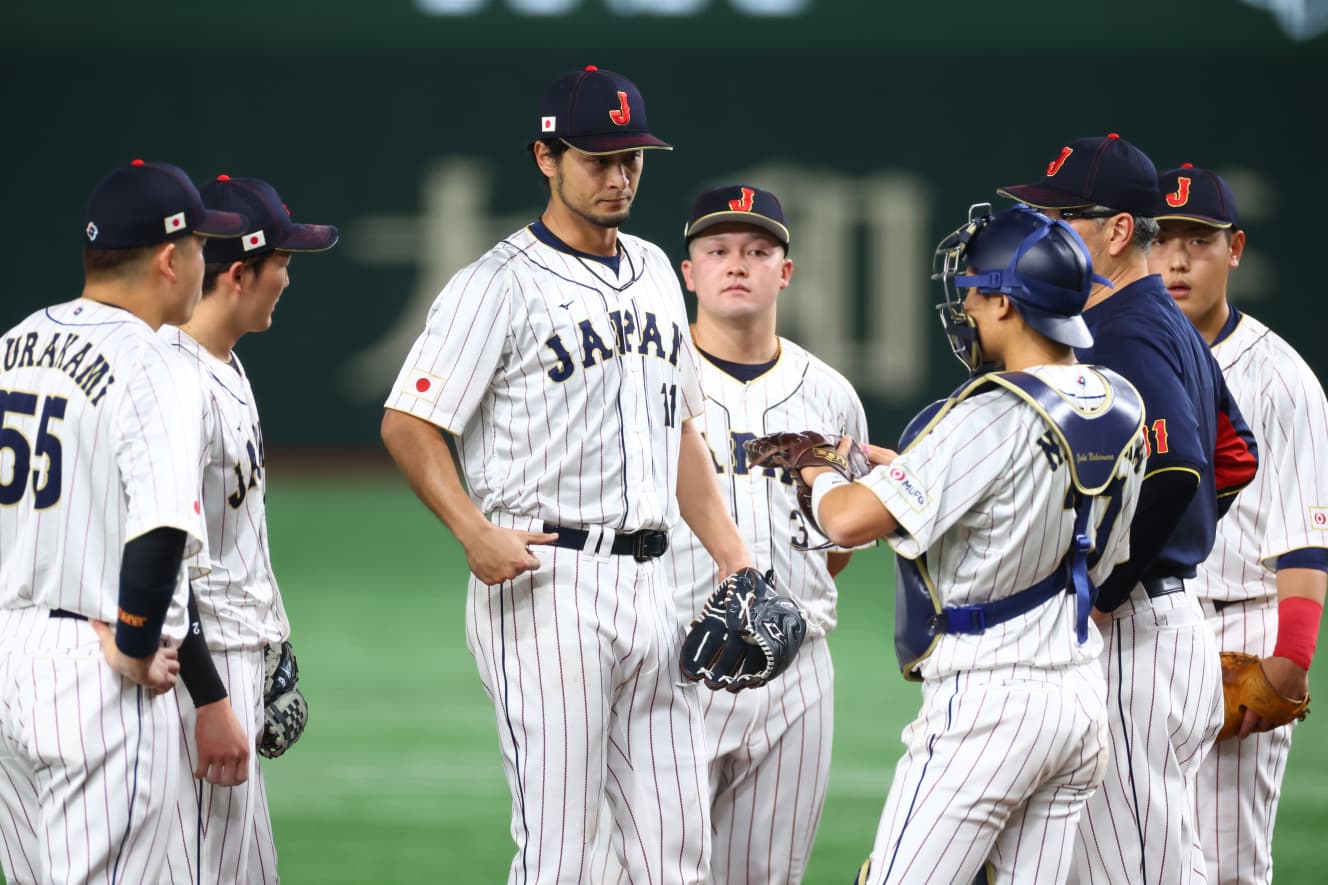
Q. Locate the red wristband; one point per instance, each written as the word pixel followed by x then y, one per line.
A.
pixel 1297 629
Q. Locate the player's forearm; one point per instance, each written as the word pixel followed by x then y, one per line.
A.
pixel 702 507
pixel 851 515
pixel 422 455
pixel 1305 583
pixel 149 572
pixel 1300 595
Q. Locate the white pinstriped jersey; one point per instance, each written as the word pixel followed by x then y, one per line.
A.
pixel 565 384
pixel 238 598
pixel 1286 506
pixel 986 503
pixel 99 438
pixel 799 393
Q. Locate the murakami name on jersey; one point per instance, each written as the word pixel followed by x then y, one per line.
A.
pixel 624 328
pixel 61 352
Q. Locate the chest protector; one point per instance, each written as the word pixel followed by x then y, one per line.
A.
pixel 1092 444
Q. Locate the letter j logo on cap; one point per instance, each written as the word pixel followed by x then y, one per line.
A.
pixel 744 202
pixel 622 114
pixel 1181 196
pixel 1055 165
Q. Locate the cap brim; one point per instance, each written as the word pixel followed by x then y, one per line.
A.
pixel 221 224
pixel 705 222
pixel 1040 197
pixel 617 144
pixel 1200 219
pixel 310 238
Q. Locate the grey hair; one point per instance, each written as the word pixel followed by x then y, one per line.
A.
pixel 1145 228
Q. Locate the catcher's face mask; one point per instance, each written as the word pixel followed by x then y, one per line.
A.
pixel 947 264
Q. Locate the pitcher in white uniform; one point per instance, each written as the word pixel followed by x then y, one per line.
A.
pixel 1263 585
pixel 99 481
pixel 224 833
pixel 560 364
pixel 1008 501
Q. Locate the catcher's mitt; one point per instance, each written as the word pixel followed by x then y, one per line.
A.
pixel 1245 686
pixel 285 711
pixel 794 451
pixel 747 634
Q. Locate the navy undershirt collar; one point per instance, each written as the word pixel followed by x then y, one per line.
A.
pixel 744 372
pixel 548 238
pixel 1228 327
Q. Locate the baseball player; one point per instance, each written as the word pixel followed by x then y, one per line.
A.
pixel 224 831
pixel 768 748
pixel 1007 499
pixel 1161 659
pixel 100 487
pixel 1262 587
pixel 561 365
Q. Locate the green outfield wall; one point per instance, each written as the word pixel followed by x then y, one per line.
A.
pixel 878 126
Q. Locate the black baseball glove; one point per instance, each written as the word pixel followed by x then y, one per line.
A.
pixel 747 634
pixel 794 451
pixel 285 712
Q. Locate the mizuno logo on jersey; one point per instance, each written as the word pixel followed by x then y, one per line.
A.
pixel 596 345
pixel 62 353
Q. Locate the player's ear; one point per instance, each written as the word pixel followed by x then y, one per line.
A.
pixel 1237 248
pixel 786 273
pixel 545 159
pixel 686 268
pixel 1119 231
pixel 233 275
pixel 163 261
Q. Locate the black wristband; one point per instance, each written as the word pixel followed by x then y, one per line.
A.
pixel 149 571
pixel 198 672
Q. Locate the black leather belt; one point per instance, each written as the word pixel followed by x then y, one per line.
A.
pixel 65 613
pixel 1219 604
pixel 1156 587
pixel 642 545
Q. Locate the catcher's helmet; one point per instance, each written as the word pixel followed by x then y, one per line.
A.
pixel 1040 263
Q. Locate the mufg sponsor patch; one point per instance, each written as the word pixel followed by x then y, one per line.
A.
pixel 1319 518
pixel 908 486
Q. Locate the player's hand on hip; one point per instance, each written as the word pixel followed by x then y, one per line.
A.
pixel 1289 680
pixel 156 673
pixel 498 554
pixel 223 747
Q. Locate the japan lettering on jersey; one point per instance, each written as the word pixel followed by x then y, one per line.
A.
pixel 985 498
pixel 99 441
pixel 1286 506
pixel 565 383
pixel 799 393
pixel 238 598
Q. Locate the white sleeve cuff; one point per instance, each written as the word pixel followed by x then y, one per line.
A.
pixel 824 484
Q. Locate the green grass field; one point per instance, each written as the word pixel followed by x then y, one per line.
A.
pixel 398 779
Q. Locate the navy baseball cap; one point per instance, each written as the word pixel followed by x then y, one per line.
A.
pixel 1193 194
pixel 268 222
pixel 144 204
pixel 596 111
pixel 737 203
pixel 1094 171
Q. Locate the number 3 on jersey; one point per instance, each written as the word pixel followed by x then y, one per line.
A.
pixel 16 451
